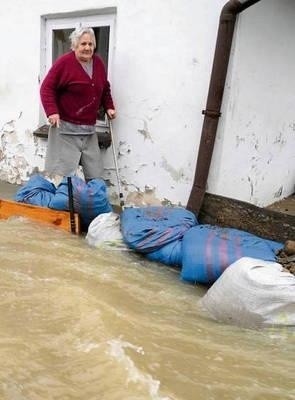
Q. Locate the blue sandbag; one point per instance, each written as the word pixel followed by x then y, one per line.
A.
pixel 170 254
pixel 208 250
pixel 37 191
pixel 90 199
pixel 147 229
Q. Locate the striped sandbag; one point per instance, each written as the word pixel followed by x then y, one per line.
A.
pixel 208 250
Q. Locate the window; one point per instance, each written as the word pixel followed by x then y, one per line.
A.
pixel 56 33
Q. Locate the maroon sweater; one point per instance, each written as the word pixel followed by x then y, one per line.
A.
pixel 67 90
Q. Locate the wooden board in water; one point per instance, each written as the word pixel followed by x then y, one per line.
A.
pixel 56 218
pixel 263 222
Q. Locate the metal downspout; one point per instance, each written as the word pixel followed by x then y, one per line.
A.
pixel 214 100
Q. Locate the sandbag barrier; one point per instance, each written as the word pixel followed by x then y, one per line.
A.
pixel 90 199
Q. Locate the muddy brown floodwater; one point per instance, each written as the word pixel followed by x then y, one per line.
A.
pixel 82 323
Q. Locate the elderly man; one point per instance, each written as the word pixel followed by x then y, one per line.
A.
pixel 74 89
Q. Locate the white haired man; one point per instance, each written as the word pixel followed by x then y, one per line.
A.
pixel 72 92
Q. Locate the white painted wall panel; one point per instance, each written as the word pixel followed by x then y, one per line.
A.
pixel 254 158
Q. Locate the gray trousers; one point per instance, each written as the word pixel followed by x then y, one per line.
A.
pixel 65 152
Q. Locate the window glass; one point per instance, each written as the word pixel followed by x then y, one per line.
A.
pixel 60 42
pixel 102 36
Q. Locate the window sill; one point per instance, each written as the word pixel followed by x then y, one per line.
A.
pixel 104 137
pixel 42 131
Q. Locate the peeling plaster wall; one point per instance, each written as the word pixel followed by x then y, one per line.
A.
pixel 20 154
pixel 160 74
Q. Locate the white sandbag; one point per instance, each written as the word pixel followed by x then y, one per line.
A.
pixel 252 293
pixel 104 231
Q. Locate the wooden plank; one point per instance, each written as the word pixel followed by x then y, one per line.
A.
pixel 55 218
pixel 263 222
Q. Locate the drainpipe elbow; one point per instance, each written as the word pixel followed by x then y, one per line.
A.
pixel 234 7
pixel 230 10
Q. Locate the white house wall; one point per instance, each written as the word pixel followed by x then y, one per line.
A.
pixel 254 158
pixel 160 74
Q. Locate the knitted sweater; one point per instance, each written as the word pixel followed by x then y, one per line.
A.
pixel 68 90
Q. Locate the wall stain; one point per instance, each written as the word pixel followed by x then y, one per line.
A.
pixel 140 167
pixel 280 140
pixel 145 132
pixel 123 149
pixel 239 140
pixel 251 186
pixel 176 175
pixel 279 192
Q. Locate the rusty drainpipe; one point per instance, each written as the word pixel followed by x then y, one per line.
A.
pixel 212 113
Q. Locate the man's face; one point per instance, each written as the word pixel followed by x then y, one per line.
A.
pixel 85 48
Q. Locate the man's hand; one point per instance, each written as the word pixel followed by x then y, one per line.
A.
pixel 111 113
pixel 54 120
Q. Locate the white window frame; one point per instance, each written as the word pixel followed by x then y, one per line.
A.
pixel 51 23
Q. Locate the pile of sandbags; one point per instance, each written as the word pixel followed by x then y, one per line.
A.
pixel 173 236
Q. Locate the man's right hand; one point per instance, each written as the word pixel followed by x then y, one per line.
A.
pixel 54 120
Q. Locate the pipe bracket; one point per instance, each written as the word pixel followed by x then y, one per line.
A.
pixel 211 113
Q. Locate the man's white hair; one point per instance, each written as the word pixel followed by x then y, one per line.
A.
pixel 75 36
